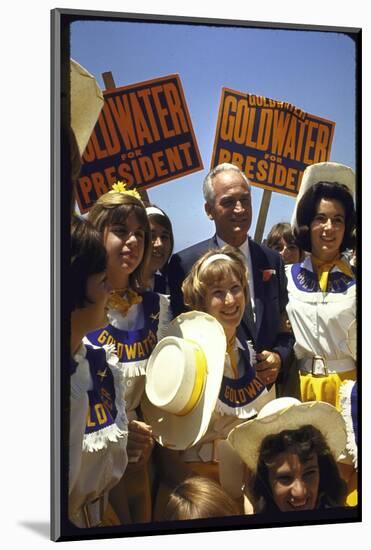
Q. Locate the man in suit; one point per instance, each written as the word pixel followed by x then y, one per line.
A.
pixel 227 196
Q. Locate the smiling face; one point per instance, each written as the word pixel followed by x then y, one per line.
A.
pixel 327 229
pixel 289 252
pixel 294 484
pixel 125 248
pixel 231 208
pixel 161 246
pixel 225 300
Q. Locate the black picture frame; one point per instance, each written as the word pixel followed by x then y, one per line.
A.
pixel 62 528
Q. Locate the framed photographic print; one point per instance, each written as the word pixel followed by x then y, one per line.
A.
pixel 206 179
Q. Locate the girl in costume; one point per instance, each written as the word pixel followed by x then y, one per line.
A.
pixel 217 285
pixel 98 423
pixel 322 288
pixel 162 247
pixel 137 319
pixel 290 450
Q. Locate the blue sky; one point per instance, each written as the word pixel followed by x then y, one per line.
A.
pixel 310 69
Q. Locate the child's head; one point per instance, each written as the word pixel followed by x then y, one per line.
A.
pixel 206 273
pixel 88 289
pixel 199 497
pixel 217 284
pixel 162 238
pixel 281 238
pixel 122 220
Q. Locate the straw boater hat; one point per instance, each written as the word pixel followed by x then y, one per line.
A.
pixel 86 104
pixel 288 413
pixel 183 379
pixel 330 172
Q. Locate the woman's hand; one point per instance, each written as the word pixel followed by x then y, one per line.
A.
pixel 268 366
pixel 140 443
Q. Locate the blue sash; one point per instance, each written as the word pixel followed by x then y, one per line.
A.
pixel 102 408
pixel 134 345
pixel 307 281
pixel 241 392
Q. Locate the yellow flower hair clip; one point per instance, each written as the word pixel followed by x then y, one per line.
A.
pixel 120 187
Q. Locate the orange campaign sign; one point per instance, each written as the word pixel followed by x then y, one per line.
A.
pixel 271 141
pixel 144 136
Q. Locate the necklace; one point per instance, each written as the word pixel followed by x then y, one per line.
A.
pixel 123 303
pixel 231 350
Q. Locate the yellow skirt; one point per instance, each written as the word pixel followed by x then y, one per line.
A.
pixel 324 388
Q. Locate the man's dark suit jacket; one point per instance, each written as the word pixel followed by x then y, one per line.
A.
pixel 270 296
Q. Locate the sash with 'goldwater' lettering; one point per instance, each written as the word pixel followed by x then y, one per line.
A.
pixel 307 280
pixel 102 407
pixel 237 396
pixel 133 347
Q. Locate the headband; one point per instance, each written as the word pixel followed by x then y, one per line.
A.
pixel 154 210
pixel 213 258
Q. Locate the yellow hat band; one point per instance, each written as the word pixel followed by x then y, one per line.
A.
pixel 199 382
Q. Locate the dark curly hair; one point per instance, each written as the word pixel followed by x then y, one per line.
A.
pixel 306 211
pixel 88 257
pixel 304 442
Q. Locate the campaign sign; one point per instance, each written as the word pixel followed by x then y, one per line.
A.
pixel 271 141
pixel 144 137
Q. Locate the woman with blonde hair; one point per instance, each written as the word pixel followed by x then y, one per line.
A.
pixel 217 286
pixel 137 320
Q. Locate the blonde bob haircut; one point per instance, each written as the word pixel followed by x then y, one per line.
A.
pixel 113 208
pixel 201 277
pixel 199 497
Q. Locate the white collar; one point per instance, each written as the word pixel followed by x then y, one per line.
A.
pixel 244 247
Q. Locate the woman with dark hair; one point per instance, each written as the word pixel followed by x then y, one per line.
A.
pixel 98 423
pixel 162 247
pixel 281 239
pixel 137 319
pixel 290 450
pixel 322 288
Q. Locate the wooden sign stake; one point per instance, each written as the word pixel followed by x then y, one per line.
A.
pixel 259 230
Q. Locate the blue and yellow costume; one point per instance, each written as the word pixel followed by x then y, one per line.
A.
pixel 98 434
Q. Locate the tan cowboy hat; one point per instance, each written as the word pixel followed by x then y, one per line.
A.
pixel 86 104
pixel 327 172
pixel 288 413
pixel 183 379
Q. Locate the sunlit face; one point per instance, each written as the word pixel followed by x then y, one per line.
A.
pixel 290 253
pixel 327 229
pixel 225 300
pixel 231 209
pixel 161 246
pixel 125 248
pixel 94 313
pixel 294 485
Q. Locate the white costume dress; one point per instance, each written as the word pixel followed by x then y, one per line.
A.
pixel 321 322
pixel 98 433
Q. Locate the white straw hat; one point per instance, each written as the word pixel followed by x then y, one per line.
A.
pixel 326 172
pixel 183 379
pixel 288 413
pixel 86 104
